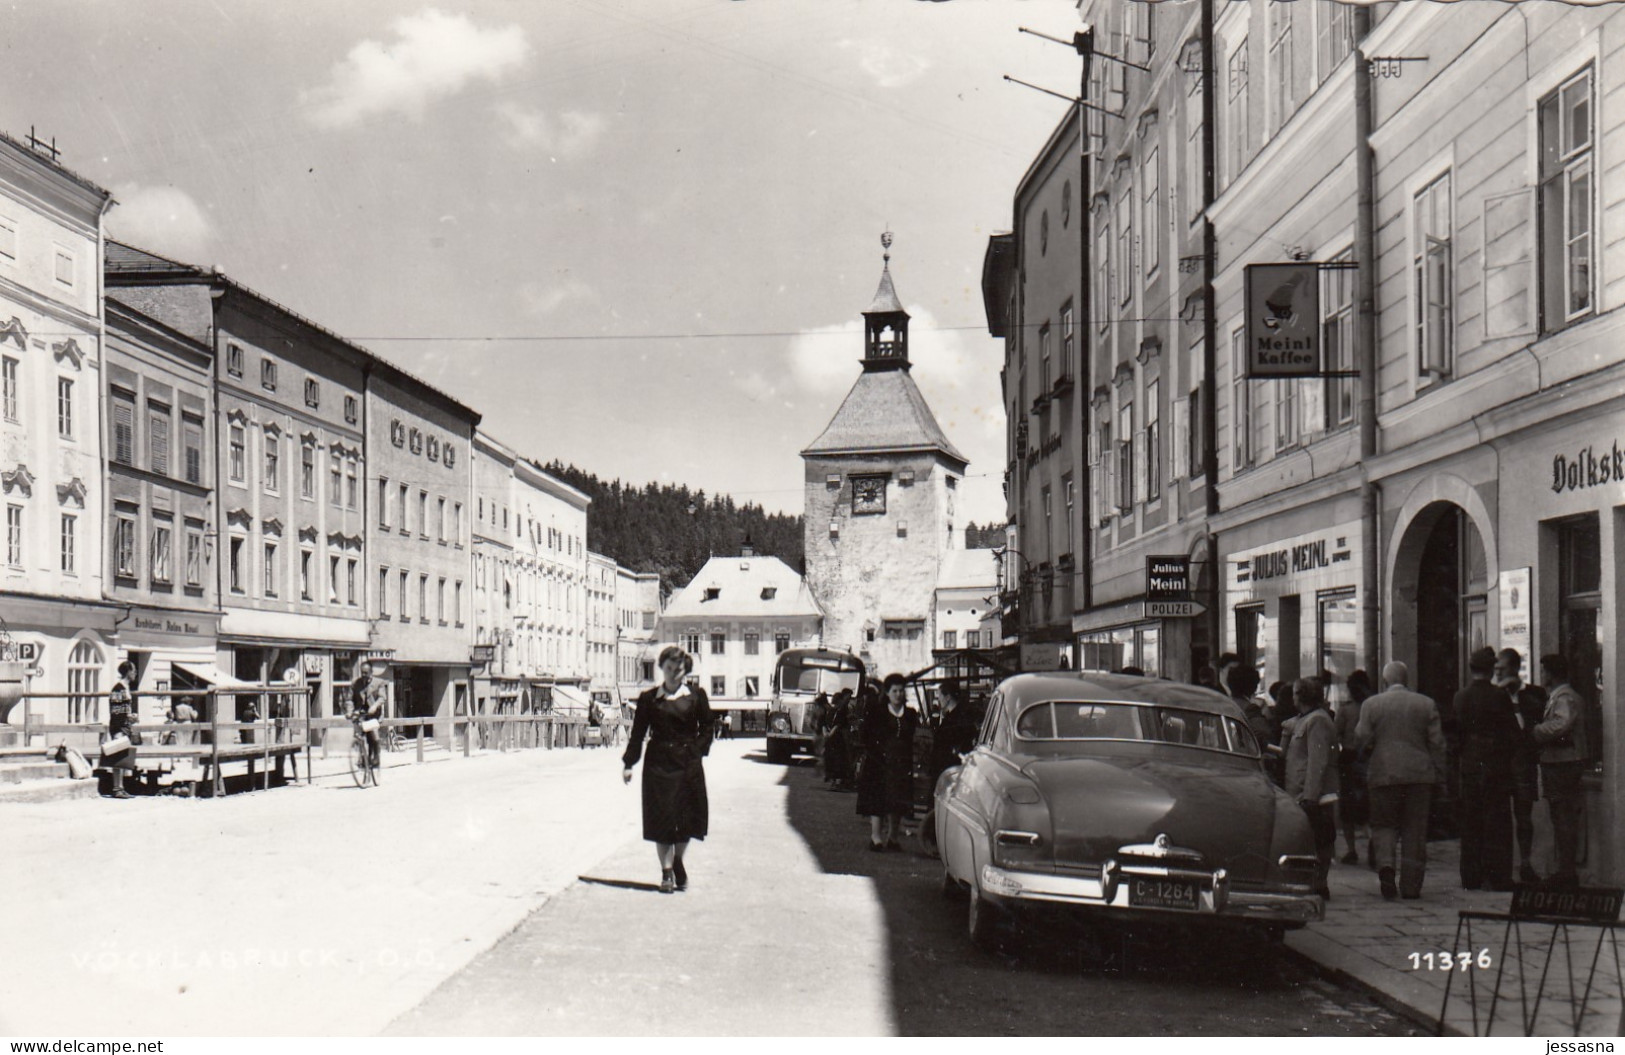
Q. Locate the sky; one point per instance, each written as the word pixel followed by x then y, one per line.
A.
pixel 635 235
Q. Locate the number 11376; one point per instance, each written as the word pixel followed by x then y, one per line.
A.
pixel 1444 960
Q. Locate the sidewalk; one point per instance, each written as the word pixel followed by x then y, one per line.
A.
pixel 1368 942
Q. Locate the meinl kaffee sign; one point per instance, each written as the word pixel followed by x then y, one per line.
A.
pixel 1283 320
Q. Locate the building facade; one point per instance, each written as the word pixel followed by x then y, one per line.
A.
pixel 57 619
pixel 529 537
pixel 160 559
pixel 881 484
pixel 734 617
pixel 290 464
pixel 420 546
pixel 637 600
pixel 603 627
pixel 1446 475
pixel 966 607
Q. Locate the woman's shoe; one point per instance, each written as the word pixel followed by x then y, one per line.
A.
pixel 680 874
pixel 876 848
pixel 667 882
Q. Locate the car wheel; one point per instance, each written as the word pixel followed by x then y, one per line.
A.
pixel 778 753
pixel 1275 935
pixel 950 887
pixel 981 918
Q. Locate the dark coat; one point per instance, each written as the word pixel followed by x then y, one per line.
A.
pixel 679 730
pixel 886 774
pixel 1487 724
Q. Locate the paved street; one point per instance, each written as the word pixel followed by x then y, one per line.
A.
pixel 791 926
pixel 446 902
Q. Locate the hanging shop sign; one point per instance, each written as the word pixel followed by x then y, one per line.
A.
pixel 1168 588
pixel 1283 320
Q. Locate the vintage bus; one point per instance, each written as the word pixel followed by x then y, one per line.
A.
pixel 799 675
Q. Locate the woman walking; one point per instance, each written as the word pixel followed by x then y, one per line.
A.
pixel 886 779
pixel 676 718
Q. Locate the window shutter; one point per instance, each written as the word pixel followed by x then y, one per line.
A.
pixel 160 443
pixel 1436 305
pixel 123 431
pixel 1182 438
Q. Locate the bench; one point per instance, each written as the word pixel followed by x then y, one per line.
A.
pixel 152 761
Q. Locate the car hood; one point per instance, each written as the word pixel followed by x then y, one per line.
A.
pixel 1098 805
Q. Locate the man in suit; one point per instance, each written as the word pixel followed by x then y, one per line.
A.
pixel 1406 740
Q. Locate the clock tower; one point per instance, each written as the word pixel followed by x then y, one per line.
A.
pixel 881 484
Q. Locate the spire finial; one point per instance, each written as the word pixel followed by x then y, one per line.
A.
pixel 885 242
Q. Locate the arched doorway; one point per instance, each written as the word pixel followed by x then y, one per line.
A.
pixel 1441 582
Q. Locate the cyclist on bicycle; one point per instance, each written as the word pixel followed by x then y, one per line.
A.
pixel 367 705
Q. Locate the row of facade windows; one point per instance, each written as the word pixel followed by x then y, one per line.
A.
pixel 160 437
pixel 342 585
pixel 235 358
pixel 17 539
pixel 162 561
pixel 12 403
pixel 344 468
pixel 396 503
pixel 555 540
pixel 1127 453
pixel 400 582
pixel 716 642
pixel 64 269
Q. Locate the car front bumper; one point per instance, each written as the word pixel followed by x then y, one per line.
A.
pixel 1216 896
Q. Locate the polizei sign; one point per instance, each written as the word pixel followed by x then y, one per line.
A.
pixel 1283 320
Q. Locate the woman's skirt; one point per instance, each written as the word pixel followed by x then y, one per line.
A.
pixel 675 807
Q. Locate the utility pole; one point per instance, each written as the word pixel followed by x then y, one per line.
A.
pixel 1365 342
pixel 1210 335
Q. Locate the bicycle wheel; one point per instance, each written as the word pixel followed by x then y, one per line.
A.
pixel 359 763
pixel 372 769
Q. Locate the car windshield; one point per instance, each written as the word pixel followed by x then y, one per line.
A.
pixel 1083 720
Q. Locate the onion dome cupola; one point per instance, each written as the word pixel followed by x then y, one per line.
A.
pixel 885 323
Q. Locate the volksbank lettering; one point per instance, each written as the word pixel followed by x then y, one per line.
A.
pixel 1587 469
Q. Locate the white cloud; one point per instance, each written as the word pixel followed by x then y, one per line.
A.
pixel 432 56
pixel 570 135
pixel 163 219
pixel 888 67
pixel 542 299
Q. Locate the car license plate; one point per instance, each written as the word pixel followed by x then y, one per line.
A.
pixel 1163 893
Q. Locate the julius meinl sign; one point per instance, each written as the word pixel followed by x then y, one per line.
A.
pixel 1168 588
pixel 1283 320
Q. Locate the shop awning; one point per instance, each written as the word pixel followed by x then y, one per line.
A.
pixel 569 698
pixel 213 677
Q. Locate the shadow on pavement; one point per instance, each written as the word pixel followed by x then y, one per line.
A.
pixel 623 884
pixel 1055 976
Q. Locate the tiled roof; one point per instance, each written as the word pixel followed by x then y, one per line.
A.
pixel 121 259
pixel 739 583
pixel 885 297
pixel 884 412
pixel 128 260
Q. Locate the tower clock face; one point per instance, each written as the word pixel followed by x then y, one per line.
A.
pixel 868 494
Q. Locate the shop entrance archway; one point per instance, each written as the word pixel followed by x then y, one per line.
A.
pixel 1441 582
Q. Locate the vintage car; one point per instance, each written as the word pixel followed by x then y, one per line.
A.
pixel 1123 796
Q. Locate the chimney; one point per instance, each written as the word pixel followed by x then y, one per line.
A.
pixel 747 550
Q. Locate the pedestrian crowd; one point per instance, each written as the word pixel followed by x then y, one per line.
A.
pixel 1388 761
